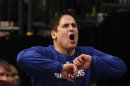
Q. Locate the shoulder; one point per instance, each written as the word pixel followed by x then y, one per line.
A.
pixel 85 49
pixel 34 51
pixel 40 47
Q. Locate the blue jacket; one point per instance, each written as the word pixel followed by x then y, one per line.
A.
pixel 44 65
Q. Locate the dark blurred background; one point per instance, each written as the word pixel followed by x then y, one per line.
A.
pixel 103 24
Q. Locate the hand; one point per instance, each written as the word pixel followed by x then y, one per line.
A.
pixel 69 69
pixel 83 61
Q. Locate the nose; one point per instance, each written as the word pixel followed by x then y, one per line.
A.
pixel 71 28
pixel 16 77
pixel 4 78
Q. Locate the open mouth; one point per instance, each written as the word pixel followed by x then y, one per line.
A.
pixel 72 36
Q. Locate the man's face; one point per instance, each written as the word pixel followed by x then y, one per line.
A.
pixel 67 33
pixel 4 74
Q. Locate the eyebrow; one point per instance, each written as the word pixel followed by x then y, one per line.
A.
pixel 68 24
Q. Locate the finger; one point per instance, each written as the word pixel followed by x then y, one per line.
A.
pixel 68 78
pixel 87 61
pixel 77 62
pixel 77 65
pixel 75 72
pixel 80 59
pixel 75 69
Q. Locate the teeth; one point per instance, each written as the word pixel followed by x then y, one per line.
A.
pixel 72 37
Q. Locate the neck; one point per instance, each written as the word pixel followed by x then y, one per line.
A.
pixel 69 52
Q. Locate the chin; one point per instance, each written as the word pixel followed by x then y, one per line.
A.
pixel 72 46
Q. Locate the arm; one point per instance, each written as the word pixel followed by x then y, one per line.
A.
pixel 102 64
pixel 105 65
pixel 32 60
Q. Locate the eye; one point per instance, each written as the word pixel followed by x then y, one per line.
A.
pixel 14 74
pixel 74 25
pixel 65 25
pixel 2 74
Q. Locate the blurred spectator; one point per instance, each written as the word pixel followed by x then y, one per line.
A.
pixel 14 76
pixel 4 70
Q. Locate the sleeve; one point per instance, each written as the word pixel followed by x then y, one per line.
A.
pixel 31 60
pixel 105 65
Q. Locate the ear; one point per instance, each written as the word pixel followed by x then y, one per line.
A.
pixel 53 34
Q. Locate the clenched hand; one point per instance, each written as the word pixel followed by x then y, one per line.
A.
pixel 69 69
pixel 82 62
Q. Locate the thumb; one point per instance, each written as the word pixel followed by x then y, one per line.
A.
pixel 75 72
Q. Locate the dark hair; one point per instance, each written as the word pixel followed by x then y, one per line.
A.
pixel 55 21
pixel 5 65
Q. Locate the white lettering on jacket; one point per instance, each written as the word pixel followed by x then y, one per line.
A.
pixel 81 73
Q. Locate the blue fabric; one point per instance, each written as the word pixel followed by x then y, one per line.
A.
pixel 44 65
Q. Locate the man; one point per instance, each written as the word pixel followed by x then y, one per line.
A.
pixel 4 70
pixel 65 63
